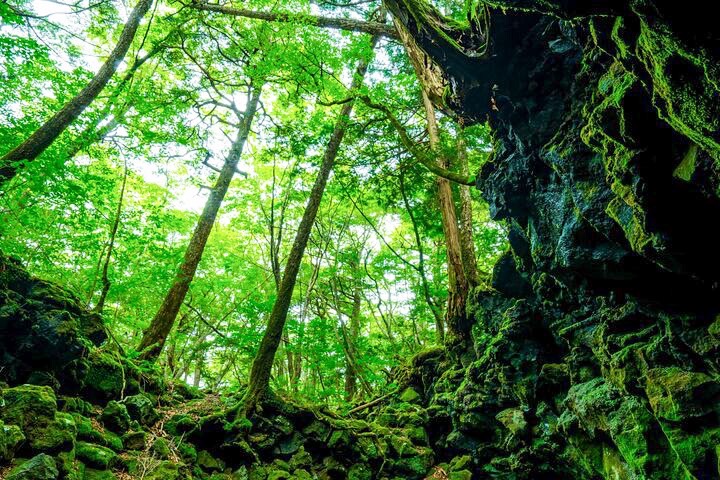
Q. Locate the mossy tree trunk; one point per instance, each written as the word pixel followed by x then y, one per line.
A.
pixel 155 335
pixel 262 365
pixel 44 136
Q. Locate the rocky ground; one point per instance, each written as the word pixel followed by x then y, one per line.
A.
pixel 71 409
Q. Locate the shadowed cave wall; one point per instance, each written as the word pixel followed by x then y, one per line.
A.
pixel 597 356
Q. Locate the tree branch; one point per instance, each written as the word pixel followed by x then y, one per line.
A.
pixel 411 146
pixel 348 24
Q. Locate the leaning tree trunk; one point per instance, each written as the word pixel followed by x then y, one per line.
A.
pixel 458 287
pixel 44 136
pixel 262 365
pixel 154 337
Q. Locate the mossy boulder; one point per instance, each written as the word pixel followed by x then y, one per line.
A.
pixel 103 376
pixel 161 448
pixel 58 434
pixel 28 405
pixel 33 409
pixel 95 456
pixel 209 463
pixel 43 328
pixel 180 424
pixel 10 438
pixel 115 417
pixel 87 432
pixel 513 419
pixel 40 467
pixel 135 440
pixel 302 459
pixel 141 409
pixel 75 405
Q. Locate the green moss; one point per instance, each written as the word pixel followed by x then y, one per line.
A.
pixel 633 224
pixel 88 433
pixel 684 85
pixel 92 474
pixel 167 471
pixel 301 459
pixel 161 448
pixel 141 409
pixel 409 395
pixel 95 456
pixel 209 463
pixel 40 467
pixel 686 168
pixel 58 434
pixel 180 424
pixel 115 417
pixel 188 452
pixel 676 394
pixel 28 405
pixel 279 475
pixel 105 377
pixel 135 440
pixel 359 471
pixel 10 438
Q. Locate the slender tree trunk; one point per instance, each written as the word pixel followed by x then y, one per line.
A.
pixel 155 335
pixel 199 362
pixel 262 365
pixel 457 281
pixel 467 243
pixel 111 244
pixel 44 136
pixel 437 314
pixel 351 372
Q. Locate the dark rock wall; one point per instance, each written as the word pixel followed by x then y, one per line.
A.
pixel 597 356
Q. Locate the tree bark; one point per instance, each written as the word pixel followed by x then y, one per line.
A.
pixel 458 287
pixel 111 244
pixel 348 24
pixel 467 243
pixel 44 136
pixel 155 335
pixel 351 372
pixel 262 365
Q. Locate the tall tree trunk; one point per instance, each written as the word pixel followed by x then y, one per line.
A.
pixel 457 281
pixel 467 243
pixel 262 365
pixel 351 372
pixel 111 244
pixel 44 136
pixel 155 335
